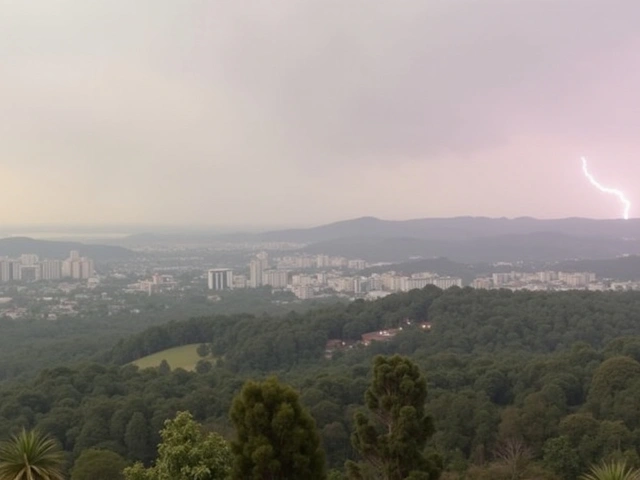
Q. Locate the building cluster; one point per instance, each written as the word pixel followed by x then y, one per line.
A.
pixel 308 277
pixel 293 262
pixel 158 283
pixel 30 268
pixel 544 280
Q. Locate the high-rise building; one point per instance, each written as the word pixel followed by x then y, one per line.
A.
pixel 66 268
pixel 220 279
pixel 51 269
pixel 255 273
pixel 86 268
pixel 15 270
pixel 78 268
pixel 275 278
pixel 5 270
pixel 322 261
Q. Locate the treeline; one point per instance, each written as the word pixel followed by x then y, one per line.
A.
pixel 265 343
pixel 463 321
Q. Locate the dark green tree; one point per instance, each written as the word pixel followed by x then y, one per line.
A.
pixel 392 437
pixel 203 350
pixel 562 458
pixel 276 437
pixel 94 464
pixel 136 438
pixel 203 366
pixel 164 368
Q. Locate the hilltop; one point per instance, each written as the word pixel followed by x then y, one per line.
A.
pixel 15 246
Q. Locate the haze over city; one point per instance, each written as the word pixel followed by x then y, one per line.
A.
pixel 287 113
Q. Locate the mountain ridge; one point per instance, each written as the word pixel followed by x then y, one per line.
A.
pixel 55 249
pixel 456 228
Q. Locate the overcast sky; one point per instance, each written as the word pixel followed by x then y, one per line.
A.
pixel 302 112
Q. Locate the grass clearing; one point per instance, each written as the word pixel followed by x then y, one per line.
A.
pixel 185 356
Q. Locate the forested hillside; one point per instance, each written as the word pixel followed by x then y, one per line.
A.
pixel 558 373
pixel 29 345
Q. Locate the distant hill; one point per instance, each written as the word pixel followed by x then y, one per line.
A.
pixel 457 228
pixel 435 229
pixel 15 246
pixel 533 247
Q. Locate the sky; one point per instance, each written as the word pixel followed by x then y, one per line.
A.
pixel 288 112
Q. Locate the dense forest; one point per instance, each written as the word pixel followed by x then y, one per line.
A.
pixel 553 376
pixel 29 345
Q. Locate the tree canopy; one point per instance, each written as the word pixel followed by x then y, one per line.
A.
pixel 276 436
pixel 392 436
pixel 186 453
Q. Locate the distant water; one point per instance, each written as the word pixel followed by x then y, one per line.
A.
pixel 69 235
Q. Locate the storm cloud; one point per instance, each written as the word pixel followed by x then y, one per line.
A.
pixel 285 112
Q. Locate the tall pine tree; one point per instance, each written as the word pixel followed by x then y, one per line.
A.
pixel 276 437
pixel 391 437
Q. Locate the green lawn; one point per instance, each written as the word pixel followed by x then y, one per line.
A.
pixel 185 357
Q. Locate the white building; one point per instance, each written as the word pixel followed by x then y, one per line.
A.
pixel 323 261
pixel 303 292
pixel 302 280
pixel 447 282
pixel 76 267
pixel 51 269
pixel 5 270
pixel 275 278
pixel 220 279
pixel 501 278
pixel 255 273
pixel 357 264
pixel 482 282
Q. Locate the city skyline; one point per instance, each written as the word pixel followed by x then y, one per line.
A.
pixel 197 113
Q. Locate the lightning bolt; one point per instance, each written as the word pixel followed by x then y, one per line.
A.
pixel 611 191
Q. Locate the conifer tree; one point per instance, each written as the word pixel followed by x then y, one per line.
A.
pixel 391 437
pixel 276 437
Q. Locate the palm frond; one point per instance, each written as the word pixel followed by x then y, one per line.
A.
pixel 31 455
pixel 612 471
